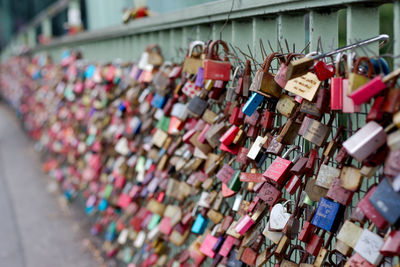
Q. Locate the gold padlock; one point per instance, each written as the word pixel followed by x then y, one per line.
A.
pixel 355 79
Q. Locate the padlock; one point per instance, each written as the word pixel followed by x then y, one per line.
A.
pixel 328 215
pixel 324 71
pixel 315 244
pixel 267 118
pixel 278 217
pixel 314 191
pixel 278 171
pixel 326 175
pixel 227 246
pixel 365 141
pixel 392 163
pixel 350 178
pixel 339 194
pixel 226 172
pixel 199 225
pixel 350 233
pixel 280 77
pixel 368 246
pixel 286 105
pixel 273 236
pixel 356 80
pixel 293 184
pixel 376 113
pixel 391 245
pixel 215 69
pixel 370 212
pixel 337 84
pixel 250 254
pixel 252 103
pixel 269 193
pixel 323 252
pixel 191 64
pixel 314 131
pixel 197 106
pixel 305 86
pixel 299 67
pixel 268 87
pixel 228 137
pixel 155 57
pixel 357 260
pixel 209 242
pixel 246 222
pixel 369 89
pixel 393 140
pixel 348 103
pixel 391 103
pixel 386 201
pixel 289 130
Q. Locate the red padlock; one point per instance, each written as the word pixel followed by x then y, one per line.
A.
pixel 324 71
pixel 279 169
pixel 215 69
pixel 337 85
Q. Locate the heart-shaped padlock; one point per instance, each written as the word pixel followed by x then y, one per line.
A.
pixel 279 217
pixel 324 71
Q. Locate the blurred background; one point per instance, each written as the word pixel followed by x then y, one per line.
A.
pixel 95 14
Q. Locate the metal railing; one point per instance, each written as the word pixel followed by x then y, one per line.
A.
pixel 249 20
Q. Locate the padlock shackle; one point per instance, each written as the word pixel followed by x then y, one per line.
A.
pixel 153 47
pixel 211 49
pixel 247 68
pixel 291 250
pixel 290 56
pixel 292 148
pixel 195 44
pixel 357 65
pixel 339 57
pixel 235 73
pixel 268 60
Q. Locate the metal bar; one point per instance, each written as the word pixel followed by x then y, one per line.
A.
pixel 206 13
pixel 396 31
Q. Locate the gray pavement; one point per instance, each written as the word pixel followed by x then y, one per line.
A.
pixel 35 231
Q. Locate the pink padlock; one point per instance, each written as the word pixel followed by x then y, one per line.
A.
pixel 336 93
pixel 348 104
pixel 244 224
pixel 368 90
pixel 227 246
pixel 365 141
pixel 207 246
pixel 202 136
pixel 279 169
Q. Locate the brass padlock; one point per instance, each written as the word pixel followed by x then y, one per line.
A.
pixel 355 79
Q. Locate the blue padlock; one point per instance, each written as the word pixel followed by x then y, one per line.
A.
pixel 380 65
pixel 387 202
pixel 110 233
pixel 252 104
pixel 90 70
pixel 233 261
pixel 89 210
pixel 158 101
pixel 103 204
pixel 328 215
pixel 199 225
pixel 122 107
